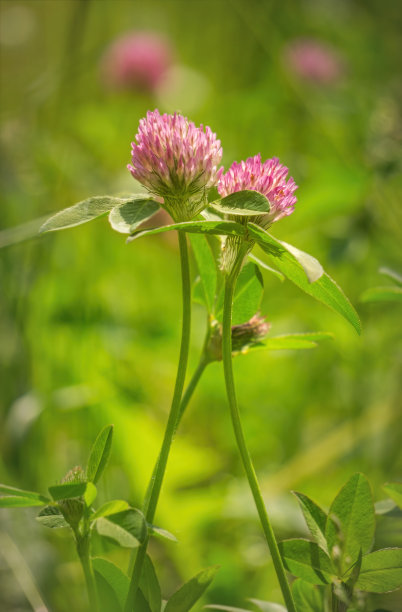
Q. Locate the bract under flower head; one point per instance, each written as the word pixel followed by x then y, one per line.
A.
pixel 177 161
pixel 269 178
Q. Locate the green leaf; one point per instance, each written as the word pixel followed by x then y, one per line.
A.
pixel 307 597
pixel 289 342
pixel 112 585
pixel 315 518
pixel 382 294
pixel 84 211
pixel 387 507
pixel 394 490
pixel 68 490
pixel 90 494
pixel 110 507
pixel 150 586
pixel 391 274
pixel 247 296
pixel 354 572
pixel 312 268
pixel 265 266
pixel 225 608
pixel 11 497
pixel 99 454
pixel 127 217
pixel 381 571
pixel 184 599
pixel 302 272
pixel 307 560
pixel 161 533
pixel 224 228
pixel 246 203
pixel 206 267
pixel 268 606
pixel 50 516
pixel 127 527
pixel 351 522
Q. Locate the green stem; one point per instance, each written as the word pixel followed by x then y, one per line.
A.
pixel 230 283
pixel 156 483
pixel 83 543
pixel 184 403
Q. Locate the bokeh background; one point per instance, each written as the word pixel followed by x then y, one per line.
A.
pixel 90 326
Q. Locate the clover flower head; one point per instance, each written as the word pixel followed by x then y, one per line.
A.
pixel 177 161
pixel 269 178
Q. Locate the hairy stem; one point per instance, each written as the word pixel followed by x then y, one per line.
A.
pixel 230 283
pixel 156 482
pixel 83 543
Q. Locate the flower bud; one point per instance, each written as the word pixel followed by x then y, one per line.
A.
pixel 73 509
pixel 243 337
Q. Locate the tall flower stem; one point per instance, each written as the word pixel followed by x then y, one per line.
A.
pixel 83 544
pixel 198 372
pixel 156 484
pixel 230 282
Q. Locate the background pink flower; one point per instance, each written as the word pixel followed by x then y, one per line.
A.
pixel 138 60
pixel 313 61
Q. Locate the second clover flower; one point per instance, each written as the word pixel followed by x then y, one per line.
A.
pixel 177 161
pixel 269 178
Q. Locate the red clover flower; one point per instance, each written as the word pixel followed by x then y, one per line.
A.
pixel 177 161
pixel 269 178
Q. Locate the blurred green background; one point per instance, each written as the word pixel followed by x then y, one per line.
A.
pixel 90 326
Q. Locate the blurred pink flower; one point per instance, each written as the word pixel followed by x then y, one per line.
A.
pixel 138 60
pixel 176 160
pixel 313 60
pixel 269 178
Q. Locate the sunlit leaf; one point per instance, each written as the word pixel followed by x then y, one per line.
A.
pixel 184 599
pixel 315 518
pixel 127 527
pixel 67 490
pixel 247 295
pixel 381 571
pixel 225 608
pixel 268 606
pixel 11 497
pixel 289 342
pixel 306 273
pixel 90 494
pixel 351 522
pixel 110 507
pixel 114 596
pixel 395 276
pixel 307 560
pixel 307 597
pixel 99 454
pixel 50 516
pixel 224 228
pixel 243 203
pixel 206 267
pixel 265 266
pixel 382 294
pixel 127 217
pixel 84 211
pixel 394 490
pixel 161 533
pixel 150 587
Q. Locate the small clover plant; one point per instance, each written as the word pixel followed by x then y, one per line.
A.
pixel 70 506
